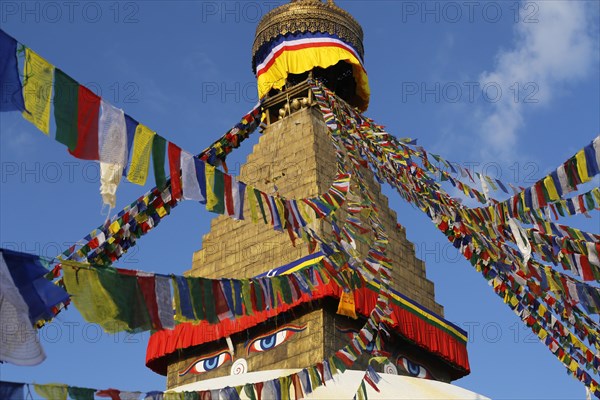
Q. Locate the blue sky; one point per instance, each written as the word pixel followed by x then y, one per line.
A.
pixel 508 88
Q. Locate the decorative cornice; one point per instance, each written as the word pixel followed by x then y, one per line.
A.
pixel 309 16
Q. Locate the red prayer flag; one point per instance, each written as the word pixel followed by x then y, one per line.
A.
pixel 229 207
pixel 148 287
pixel 88 110
pixel 175 171
pixel 114 394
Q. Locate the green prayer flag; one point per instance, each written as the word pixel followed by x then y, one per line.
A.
pixel 258 296
pixel 125 292
pixel 191 396
pixel 589 201
pixel 210 309
pixel 249 391
pixel 66 98
pixel 260 204
pixel 196 296
pixel 77 393
pixel 286 292
pixel 159 146
pixel 219 191
pixel 246 296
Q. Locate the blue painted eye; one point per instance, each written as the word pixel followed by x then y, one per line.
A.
pixel 207 363
pixel 413 369
pixel 269 342
pixel 273 339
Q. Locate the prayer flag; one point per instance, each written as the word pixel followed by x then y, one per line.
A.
pixel 12 90
pixel 159 147
pixel 66 93
pixel 140 159
pixel 39 75
pixel 112 136
pixel 88 109
pixel 191 186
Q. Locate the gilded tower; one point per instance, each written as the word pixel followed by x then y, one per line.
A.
pixel 297 43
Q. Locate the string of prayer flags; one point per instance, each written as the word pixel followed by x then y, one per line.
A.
pixel 299 383
pixel 480 234
pixel 12 90
pixel 92 129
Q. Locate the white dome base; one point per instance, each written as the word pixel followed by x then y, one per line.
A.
pixel 344 386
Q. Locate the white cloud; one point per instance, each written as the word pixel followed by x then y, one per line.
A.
pixel 557 49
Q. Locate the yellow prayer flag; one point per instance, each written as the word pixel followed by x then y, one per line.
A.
pixel 252 203
pixel 573 366
pixel 542 310
pixel 114 227
pixel 549 184
pixel 37 90
pixel 161 211
pixel 582 166
pixel 303 210
pixel 346 305
pixel 211 198
pixel 552 283
pixel 140 159
pixel 596 193
pixel 51 391
pixel 280 209
pixel 91 298
pixel 542 334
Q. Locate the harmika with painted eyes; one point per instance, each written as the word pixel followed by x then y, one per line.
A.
pixel 259 344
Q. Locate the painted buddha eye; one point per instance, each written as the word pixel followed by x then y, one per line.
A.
pixel 273 339
pixel 207 363
pixel 413 369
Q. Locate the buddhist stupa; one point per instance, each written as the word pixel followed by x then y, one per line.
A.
pixel 296 43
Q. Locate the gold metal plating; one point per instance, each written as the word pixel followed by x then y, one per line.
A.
pixel 309 16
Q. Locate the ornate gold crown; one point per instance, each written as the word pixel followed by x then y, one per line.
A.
pixel 308 16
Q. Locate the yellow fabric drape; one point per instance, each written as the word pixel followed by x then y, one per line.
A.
pixel 346 305
pixel 305 59
pixel 37 90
